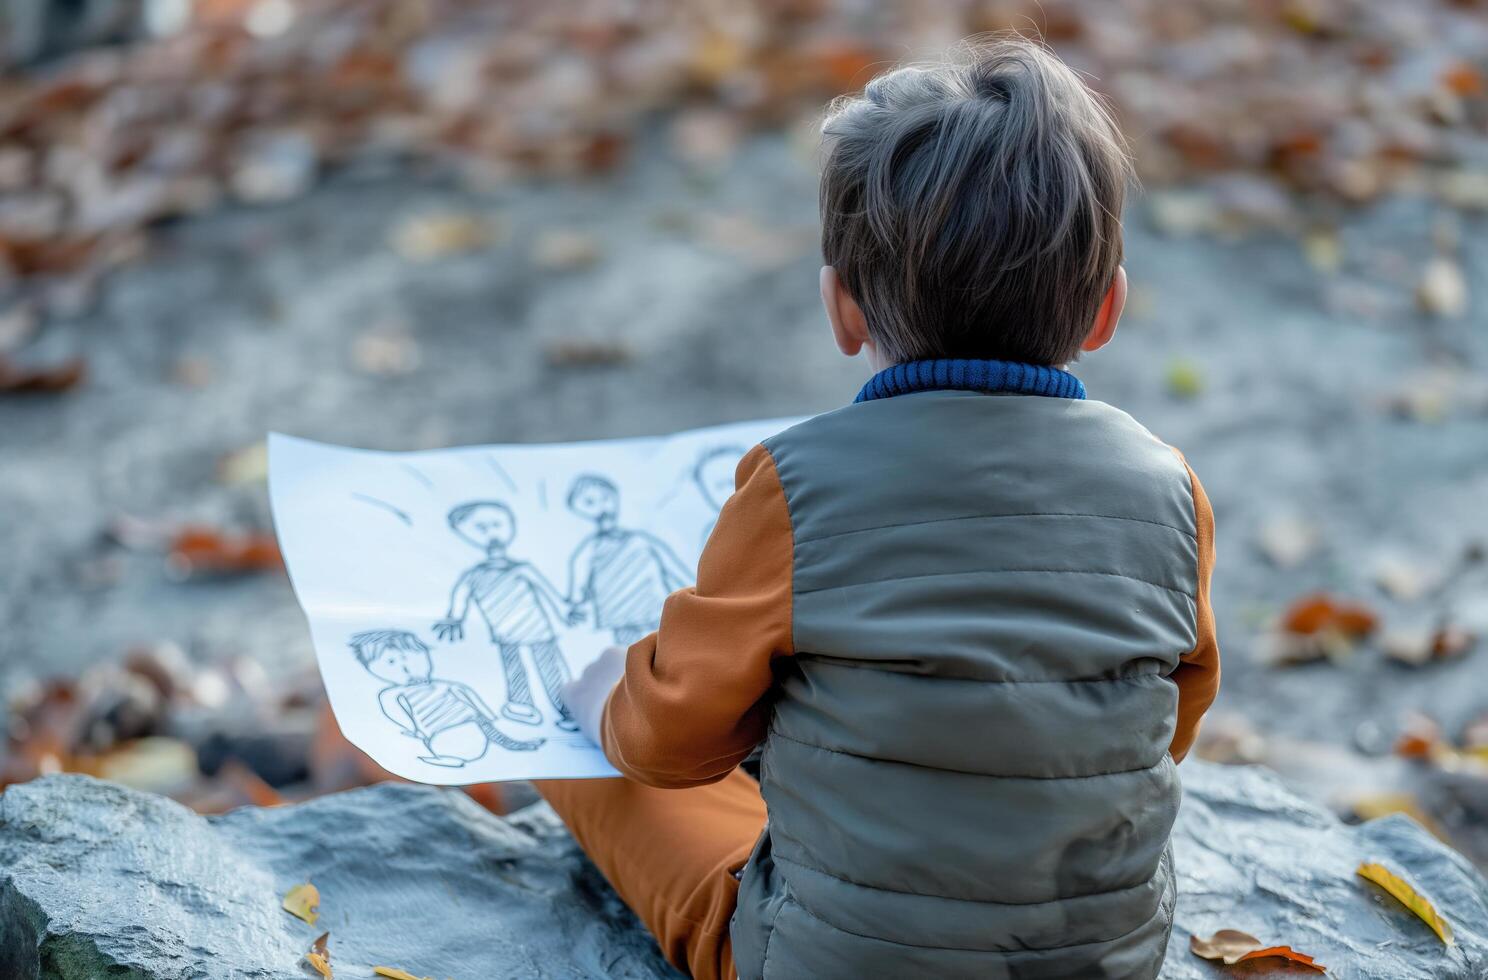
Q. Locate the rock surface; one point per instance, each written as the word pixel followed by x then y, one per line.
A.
pixel 96 881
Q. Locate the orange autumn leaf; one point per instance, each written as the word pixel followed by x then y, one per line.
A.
pixel 319 956
pixel 1464 80
pixel 205 550
pixel 303 902
pixel 1286 953
pixel 1319 612
pixel 393 973
pixel 1231 946
pixel 1405 893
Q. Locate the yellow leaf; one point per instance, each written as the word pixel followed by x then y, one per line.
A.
pixel 393 973
pixel 303 901
pixel 1403 892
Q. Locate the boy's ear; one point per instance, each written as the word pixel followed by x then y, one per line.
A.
pixel 849 326
pixel 1103 327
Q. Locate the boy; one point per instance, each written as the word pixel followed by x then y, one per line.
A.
pixel 967 615
pixel 452 721
pixel 623 575
pixel 520 607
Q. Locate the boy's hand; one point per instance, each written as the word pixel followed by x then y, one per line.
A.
pixel 586 695
pixel 452 630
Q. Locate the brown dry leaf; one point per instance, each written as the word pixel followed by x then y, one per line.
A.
pixel 320 956
pixel 434 236
pixel 31 381
pixel 205 550
pixel 562 248
pixel 1406 894
pixel 587 353
pixel 1231 946
pixel 1318 612
pixel 303 902
pixel 1317 626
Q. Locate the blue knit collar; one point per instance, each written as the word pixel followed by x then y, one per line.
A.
pixel 971 374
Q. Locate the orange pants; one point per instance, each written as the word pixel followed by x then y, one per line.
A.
pixel 671 854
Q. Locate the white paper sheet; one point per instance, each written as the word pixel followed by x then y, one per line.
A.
pixel 450 593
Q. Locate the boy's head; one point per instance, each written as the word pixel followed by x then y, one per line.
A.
pixel 485 524
pixel 394 656
pixel 594 498
pixel 972 209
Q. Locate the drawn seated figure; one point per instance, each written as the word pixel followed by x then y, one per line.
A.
pixel 623 575
pixel 452 721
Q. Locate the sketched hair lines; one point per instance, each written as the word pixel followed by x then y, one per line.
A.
pixel 448 717
pixel 520 607
pixel 619 576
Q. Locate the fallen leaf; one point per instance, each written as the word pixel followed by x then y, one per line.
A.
pixel 562 249
pixel 1184 379
pixel 393 973
pixel 1385 804
pixel 587 353
pixel 320 956
pixel 247 465
pixel 303 901
pixel 1287 541
pixel 204 550
pixel 1231 946
pixel 1442 289
pixel 1319 612
pixel 434 236
pixel 1318 626
pixel 1403 892
pixel 30 381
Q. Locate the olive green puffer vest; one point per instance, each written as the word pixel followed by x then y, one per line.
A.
pixel 967 771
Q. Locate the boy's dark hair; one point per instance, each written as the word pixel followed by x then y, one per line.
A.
pixel 972 208
pixel 369 644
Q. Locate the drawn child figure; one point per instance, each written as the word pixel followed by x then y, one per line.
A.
pixel 452 721
pixel 623 575
pixel 714 476
pixel 520 607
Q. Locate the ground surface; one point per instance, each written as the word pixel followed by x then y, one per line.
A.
pixel 709 285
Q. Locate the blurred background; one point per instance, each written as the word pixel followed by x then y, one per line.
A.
pixel 405 224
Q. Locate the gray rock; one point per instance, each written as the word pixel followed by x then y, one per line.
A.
pixel 101 881
pixel 1252 855
pixel 96 880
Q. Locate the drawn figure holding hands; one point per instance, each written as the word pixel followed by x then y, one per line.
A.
pixel 452 721
pixel 519 605
pixel 622 575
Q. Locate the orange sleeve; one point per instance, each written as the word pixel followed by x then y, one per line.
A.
pixel 1197 673
pixel 693 701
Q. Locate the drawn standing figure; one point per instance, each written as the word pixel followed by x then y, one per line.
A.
pixel 519 606
pixel 714 476
pixel 623 575
pixel 452 721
